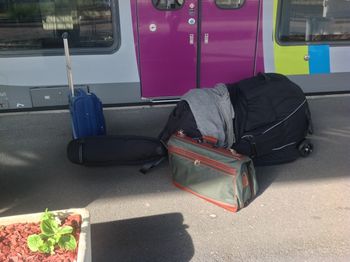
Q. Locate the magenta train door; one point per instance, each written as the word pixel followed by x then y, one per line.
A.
pixel 169 42
pixel 228 40
pixel 167 46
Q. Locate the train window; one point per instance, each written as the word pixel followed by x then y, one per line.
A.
pixel 168 4
pixel 38 25
pixel 314 21
pixel 229 4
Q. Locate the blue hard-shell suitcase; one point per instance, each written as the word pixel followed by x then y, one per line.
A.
pixel 85 108
pixel 87 114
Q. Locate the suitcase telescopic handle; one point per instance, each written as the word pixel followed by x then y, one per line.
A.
pixel 68 63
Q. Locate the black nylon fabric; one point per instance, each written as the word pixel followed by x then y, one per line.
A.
pixel 263 100
pixel 271 118
pixel 181 118
pixel 115 150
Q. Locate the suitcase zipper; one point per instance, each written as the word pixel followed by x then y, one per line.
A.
pixel 277 124
pixel 285 119
pixel 225 152
pixel 198 160
pixel 281 147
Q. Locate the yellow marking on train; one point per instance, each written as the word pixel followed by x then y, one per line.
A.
pixel 289 60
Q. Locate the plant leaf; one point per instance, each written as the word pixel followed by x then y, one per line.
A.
pixel 34 242
pixel 51 241
pixel 47 215
pixel 67 242
pixel 65 230
pixel 45 248
pixel 48 227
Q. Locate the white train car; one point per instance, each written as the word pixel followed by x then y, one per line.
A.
pixel 146 51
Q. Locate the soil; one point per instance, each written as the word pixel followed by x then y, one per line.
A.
pixel 13 242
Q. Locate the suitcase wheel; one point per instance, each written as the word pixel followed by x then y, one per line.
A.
pixel 305 148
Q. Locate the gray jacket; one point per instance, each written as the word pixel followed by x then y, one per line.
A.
pixel 213 112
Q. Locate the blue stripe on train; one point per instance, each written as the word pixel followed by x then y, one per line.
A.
pixel 319 59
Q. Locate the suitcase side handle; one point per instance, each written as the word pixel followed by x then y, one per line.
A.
pixel 68 63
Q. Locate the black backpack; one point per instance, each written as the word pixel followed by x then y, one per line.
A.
pixel 272 119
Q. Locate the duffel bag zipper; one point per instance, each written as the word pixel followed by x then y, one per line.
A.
pixel 198 160
pixel 222 151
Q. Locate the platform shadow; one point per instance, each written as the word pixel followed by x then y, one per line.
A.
pixel 153 238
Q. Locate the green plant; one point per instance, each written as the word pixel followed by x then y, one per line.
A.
pixel 52 234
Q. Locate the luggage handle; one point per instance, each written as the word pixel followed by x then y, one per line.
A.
pixel 68 63
pixel 264 76
pixel 203 139
pixel 210 140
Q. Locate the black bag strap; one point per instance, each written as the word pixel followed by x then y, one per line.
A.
pixel 147 167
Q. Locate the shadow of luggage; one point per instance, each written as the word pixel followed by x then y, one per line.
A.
pixel 154 238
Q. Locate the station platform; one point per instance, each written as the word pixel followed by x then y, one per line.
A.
pixel 302 212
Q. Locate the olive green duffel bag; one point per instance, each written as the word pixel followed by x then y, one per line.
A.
pixel 218 175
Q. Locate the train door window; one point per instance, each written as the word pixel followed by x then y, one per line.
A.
pixel 314 21
pixel 38 25
pixel 168 4
pixel 229 4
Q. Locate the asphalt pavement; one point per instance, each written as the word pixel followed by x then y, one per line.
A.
pixel 302 212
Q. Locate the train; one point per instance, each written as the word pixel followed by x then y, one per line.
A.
pixel 154 51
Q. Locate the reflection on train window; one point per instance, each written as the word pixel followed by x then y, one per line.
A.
pixel 229 4
pixel 314 21
pixel 168 4
pixel 39 24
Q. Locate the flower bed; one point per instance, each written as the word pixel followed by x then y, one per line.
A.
pixel 15 230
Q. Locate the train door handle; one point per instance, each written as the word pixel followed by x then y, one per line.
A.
pixel 191 37
pixel 306 57
pixel 206 38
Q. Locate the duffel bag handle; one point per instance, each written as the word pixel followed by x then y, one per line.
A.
pixel 203 139
pixel 210 140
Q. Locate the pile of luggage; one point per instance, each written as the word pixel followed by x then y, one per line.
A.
pixel 270 113
pixel 221 133
pixel 213 137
